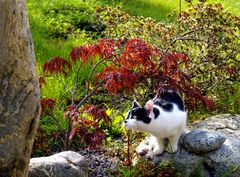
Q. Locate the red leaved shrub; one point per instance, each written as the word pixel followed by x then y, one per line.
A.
pixel 129 67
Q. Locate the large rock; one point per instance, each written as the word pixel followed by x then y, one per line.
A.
pixel 19 89
pixel 224 161
pixel 202 141
pixel 64 164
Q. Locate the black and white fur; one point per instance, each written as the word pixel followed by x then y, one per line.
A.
pixel 163 117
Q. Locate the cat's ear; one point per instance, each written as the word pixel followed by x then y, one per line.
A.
pixel 135 104
pixel 149 105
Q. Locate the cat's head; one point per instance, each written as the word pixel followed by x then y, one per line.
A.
pixel 138 116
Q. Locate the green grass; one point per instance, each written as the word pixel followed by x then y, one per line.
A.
pixel 148 8
pixel 45 46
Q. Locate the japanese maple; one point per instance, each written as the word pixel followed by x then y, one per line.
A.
pixel 129 67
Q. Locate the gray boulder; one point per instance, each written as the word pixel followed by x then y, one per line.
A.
pixel 222 160
pixel 64 164
pixel 202 141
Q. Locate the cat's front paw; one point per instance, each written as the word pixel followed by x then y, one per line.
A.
pixel 153 152
pixel 149 155
pixel 143 152
pixel 146 152
pixel 149 150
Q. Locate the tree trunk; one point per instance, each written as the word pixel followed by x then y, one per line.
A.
pixel 19 90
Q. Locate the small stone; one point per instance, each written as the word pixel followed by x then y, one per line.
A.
pixel 97 163
pixel 201 141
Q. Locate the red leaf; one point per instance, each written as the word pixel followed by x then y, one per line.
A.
pixel 47 104
pixel 121 78
pixel 57 65
pixel 81 52
pixel 106 48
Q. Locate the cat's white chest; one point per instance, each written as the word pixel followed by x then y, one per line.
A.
pixel 167 123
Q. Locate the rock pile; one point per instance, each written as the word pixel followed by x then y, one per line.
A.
pixel 212 145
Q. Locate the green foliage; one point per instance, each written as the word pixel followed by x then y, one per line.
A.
pixel 230 171
pixel 116 129
pixel 230 101
pixel 206 33
pixel 159 10
pixel 198 171
pixel 63 19
pixel 145 168
pixel 210 36
pixel 126 171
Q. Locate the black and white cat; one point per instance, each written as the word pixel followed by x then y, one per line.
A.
pixel 163 117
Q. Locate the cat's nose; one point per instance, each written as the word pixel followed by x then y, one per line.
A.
pixel 125 121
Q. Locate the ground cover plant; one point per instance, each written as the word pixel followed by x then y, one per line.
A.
pixel 86 81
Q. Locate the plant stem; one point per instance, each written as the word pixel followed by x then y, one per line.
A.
pixel 129 157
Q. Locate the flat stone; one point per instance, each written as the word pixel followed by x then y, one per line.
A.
pixel 63 164
pixel 202 141
pixel 72 157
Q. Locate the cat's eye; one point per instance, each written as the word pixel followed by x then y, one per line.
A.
pixel 134 116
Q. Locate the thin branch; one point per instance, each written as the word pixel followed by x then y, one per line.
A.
pixel 188 39
pixel 89 95
pixel 75 83
pixel 91 72
pixel 65 85
pixel 182 37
